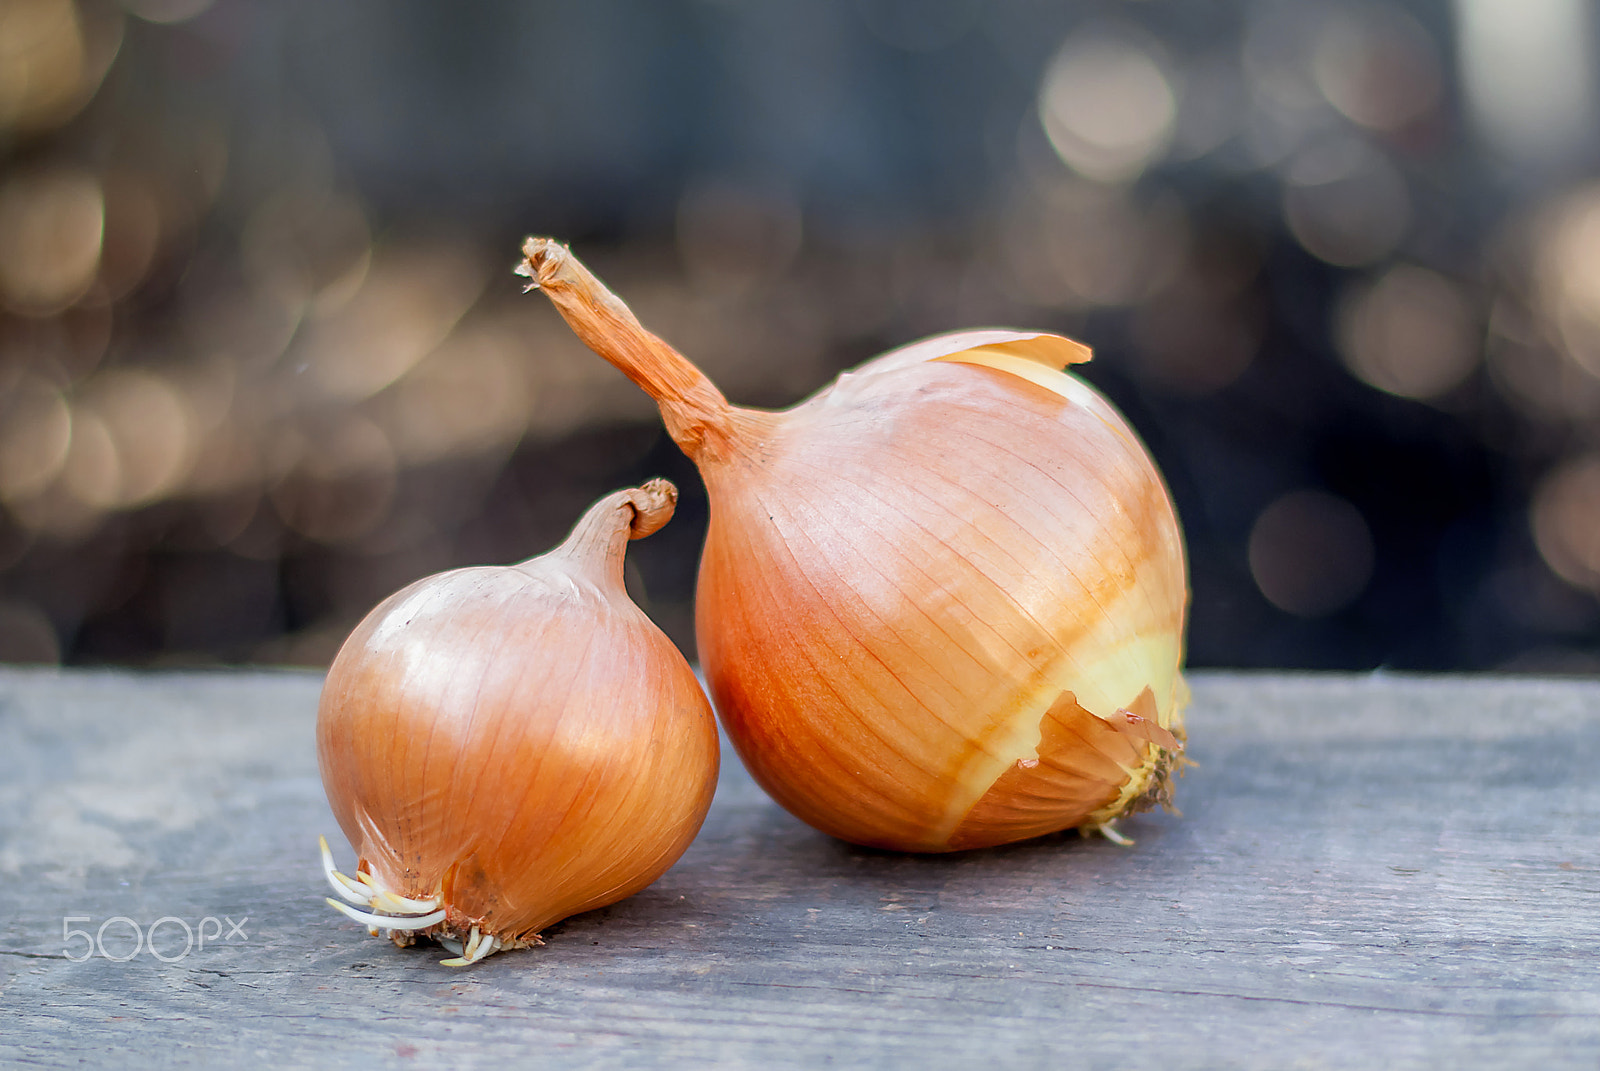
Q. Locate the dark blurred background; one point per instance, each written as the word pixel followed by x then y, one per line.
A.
pixel 263 360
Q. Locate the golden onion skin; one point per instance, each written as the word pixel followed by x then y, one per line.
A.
pixel 925 594
pixel 942 603
pixel 520 743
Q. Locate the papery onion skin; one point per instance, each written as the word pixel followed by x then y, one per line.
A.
pixel 520 742
pixel 942 603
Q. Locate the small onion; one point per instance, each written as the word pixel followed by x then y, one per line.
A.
pixel 508 746
pixel 941 603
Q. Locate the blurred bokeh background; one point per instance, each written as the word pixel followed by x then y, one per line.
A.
pixel 263 360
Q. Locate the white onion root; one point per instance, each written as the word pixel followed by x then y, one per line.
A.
pixel 392 913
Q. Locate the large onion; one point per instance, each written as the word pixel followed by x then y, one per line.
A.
pixel 941 603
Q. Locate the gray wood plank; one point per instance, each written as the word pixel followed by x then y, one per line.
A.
pixel 1370 872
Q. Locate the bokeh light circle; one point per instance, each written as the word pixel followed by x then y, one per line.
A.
pixel 1311 553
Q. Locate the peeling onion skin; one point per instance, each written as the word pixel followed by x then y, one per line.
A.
pixel 520 743
pixel 942 602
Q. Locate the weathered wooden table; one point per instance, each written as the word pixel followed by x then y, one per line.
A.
pixel 1370 872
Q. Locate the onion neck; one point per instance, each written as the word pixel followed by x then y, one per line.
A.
pixel 695 413
pixel 598 543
